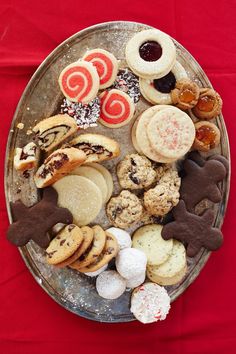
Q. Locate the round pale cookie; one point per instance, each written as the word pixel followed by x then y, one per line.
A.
pixel 173 269
pixel 109 251
pixel 107 176
pixel 148 240
pixel 150 303
pixel 79 81
pixel 142 138
pixel 106 65
pixel 110 284
pixel 64 244
pixel 131 262
pixel 149 88
pixel 117 108
pixel 97 272
pixel 94 251
pixel 133 136
pixel 123 237
pixel 171 132
pixel 88 238
pixel 80 196
pixel 93 175
pixel 136 281
pixel 150 53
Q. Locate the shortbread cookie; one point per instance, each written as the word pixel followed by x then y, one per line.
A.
pixel 80 196
pixel 93 175
pixel 56 165
pixel 133 136
pixel 97 272
pixel 107 176
pixel 85 115
pixel 173 270
pixel 106 65
pixel 171 133
pixel 110 284
pixel 150 54
pixel 96 147
pixel 117 108
pixel 142 138
pixel 91 255
pixel 150 303
pixel 207 136
pixel 148 239
pixel 109 251
pixel 25 158
pixel 87 240
pixel 135 172
pixel 135 281
pixel 131 262
pixel 185 95
pixel 123 237
pixel 52 131
pixel 64 244
pixel 158 91
pixel 124 210
pixel 209 104
pixel 79 81
pixel 127 82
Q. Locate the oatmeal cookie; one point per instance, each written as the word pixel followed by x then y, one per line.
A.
pixel 124 210
pixel 135 172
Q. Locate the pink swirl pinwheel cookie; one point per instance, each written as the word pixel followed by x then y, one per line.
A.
pixel 79 81
pixel 106 65
pixel 117 108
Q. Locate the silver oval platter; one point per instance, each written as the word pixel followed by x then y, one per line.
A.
pixel 42 98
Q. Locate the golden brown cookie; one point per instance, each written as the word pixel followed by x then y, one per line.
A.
pixel 25 158
pixel 186 94
pixel 207 136
pixel 209 104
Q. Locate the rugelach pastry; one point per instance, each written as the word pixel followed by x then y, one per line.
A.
pixel 25 158
pixel 52 131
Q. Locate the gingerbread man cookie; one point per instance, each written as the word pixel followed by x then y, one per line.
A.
pixel 194 230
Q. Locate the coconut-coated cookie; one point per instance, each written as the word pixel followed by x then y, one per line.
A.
pixel 135 172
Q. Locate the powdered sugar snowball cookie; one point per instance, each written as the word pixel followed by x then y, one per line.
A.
pixel 131 262
pixel 150 303
pixel 110 285
pixel 123 237
pixel 85 115
pixel 171 132
pixel 158 91
pixel 150 54
pixel 135 281
pixel 105 63
pixel 79 81
pixel 97 272
pixel 117 108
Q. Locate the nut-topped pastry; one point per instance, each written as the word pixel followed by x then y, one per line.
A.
pixel 209 104
pixel 186 94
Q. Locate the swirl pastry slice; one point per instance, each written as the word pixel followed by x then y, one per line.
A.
pixel 79 81
pixel 106 65
pixel 51 131
pixel 117 108
pixel 25 158
pixel 56 165
pixel 97 147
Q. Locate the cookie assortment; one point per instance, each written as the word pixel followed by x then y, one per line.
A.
pixel 154 221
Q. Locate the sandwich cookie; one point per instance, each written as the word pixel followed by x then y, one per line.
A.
pixel 150 54
pixel 79 81
pixel 117 108
pixel 106 65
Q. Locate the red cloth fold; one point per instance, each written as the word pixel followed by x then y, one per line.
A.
pixel 202 320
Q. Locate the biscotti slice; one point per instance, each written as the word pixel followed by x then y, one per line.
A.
pixel 149 240
pixel 52 131
pixel 97 147
pixel 25 158
pixel 56 165
pixel 173 270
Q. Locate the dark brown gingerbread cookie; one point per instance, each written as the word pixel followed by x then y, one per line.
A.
pixel 200 160
pixel 194 230
pixel 200 182
pixel 33 223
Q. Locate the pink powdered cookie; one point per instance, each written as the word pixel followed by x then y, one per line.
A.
pixel 79 81
pixel 106 65
pixel 117 108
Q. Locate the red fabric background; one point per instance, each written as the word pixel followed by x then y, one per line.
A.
pixel 202 320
